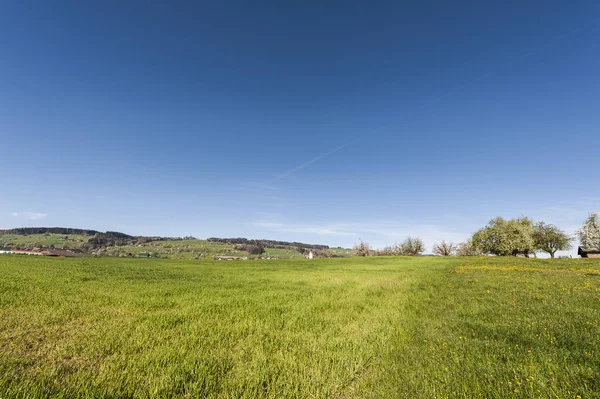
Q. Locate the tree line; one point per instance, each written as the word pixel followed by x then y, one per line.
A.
pixel 412 246
pixel 49 230
pixel 501 237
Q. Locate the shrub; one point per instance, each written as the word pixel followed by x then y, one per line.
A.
pixel 467 249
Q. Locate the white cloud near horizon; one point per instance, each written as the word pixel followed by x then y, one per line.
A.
pixel 29 215
pixel 568 215
pixel 321 230
pixel 378 234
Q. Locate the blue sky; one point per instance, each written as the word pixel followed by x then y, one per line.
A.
pixel 323 122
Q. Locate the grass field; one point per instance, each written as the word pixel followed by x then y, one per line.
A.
pixel 340 328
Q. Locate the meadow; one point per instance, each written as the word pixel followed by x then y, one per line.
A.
pixel 380 327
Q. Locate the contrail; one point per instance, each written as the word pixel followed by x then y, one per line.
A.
pixel 304 165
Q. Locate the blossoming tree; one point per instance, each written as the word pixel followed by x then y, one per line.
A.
pixel 589 234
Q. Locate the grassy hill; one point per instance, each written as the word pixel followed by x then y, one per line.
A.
pixel 91 242
pixel 349 328
pixel 46 240
pixel 195 249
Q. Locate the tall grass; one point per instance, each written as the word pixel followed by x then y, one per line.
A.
pixel 375 327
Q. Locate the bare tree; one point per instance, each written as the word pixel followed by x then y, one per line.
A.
pixel 389 250
pixel 362 249
pixel 467 248
pixel 444 248
pixel 412 246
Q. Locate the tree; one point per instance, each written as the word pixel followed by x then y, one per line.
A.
pixel 411 247
pixel 256 249
pixel 362 249
pixel 444 248
pixel 389 250
pixel 467 249
pixel 589 234
pixel 506 237
pixel 549 238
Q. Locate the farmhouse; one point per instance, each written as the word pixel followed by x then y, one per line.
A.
pixel 25 252
pixel 593 253
pixel 59 252
pixel 54 252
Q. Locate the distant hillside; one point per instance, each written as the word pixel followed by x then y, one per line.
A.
pixel 111 243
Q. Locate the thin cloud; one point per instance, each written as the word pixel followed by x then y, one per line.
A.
pixel 260 186
pixel 378 234
pixel 590 199
pixel 325 230
pixel 29 215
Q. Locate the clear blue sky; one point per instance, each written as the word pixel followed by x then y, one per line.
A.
pixel 318 121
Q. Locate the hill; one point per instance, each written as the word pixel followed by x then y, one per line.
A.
pixel 112 243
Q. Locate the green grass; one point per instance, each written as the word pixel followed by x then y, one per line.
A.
pixel 340 328
pixel 282 253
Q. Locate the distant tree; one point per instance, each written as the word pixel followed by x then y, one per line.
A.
pixel 389 250
pixel 444 248
pixel 252 249
pixel 506 237
pixel 467 249
pixel 412 246
pixel 549 238
pixel 362 249
pixel 323 253
pixel 589 234
pixel 256 249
